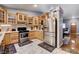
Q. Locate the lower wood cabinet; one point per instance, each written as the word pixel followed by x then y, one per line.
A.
pixel 36 35
pixel 14 37
pixel 7 39
pixel 10 38
pixel 31 35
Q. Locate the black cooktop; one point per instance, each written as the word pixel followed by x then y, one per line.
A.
pixel 22 29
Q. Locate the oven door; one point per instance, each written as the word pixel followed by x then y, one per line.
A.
pixel 23 35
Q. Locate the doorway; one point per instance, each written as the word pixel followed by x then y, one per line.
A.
pixel 73 30
pixel 72 43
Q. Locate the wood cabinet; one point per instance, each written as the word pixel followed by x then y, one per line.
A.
pixel 11 18
pixel 32 35
pixel 30 21
pixel 39 35
pixel 3 16
pixel 14 37
pixel 25 18
pixel 21 18
pixel 41 22
pixel 10 38
pixel 35 21
pixel 36 35
pixel 7 39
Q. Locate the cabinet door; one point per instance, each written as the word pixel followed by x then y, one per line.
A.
pixel 25 18
pixel 14 37
pixel 11 18
pixel 39 35
pixel 30 20
pixel 36 35
pixel 2 16
pixel 7 39
pixel 35 21
pixel 32 35
pixel 20 17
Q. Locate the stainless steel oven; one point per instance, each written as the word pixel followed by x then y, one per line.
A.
pixel 23 34
pixel 23 37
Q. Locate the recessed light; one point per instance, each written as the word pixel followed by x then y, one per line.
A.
pixel 35 5
pixel 73 17
pixel 72 48
pixel 73 41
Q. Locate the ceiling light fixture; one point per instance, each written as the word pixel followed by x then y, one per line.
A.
pixel 73 23
pixel 35 5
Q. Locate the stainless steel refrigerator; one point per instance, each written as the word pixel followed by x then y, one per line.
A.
pixel 50 31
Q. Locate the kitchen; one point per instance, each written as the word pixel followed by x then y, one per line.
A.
pixel 22 27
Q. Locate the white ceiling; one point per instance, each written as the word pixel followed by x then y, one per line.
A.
pixel 30 7
pixel 69 9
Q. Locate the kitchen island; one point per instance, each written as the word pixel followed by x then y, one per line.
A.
pixel 9 37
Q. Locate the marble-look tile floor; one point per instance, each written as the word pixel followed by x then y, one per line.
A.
pixel 33 48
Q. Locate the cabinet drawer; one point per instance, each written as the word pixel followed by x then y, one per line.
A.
pixel 15 33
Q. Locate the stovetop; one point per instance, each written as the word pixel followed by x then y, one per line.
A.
pixel 23 31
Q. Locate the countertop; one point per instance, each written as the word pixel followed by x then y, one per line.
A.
pixel 36 30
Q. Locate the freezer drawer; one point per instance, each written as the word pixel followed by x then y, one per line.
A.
pixel 50 40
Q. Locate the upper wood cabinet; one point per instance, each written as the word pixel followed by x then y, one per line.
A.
pixel 11 18
pixel 35 21
pixel 25 17
pixel 21 18
pixel 35 25
pixel 3 16
pixel 30 21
